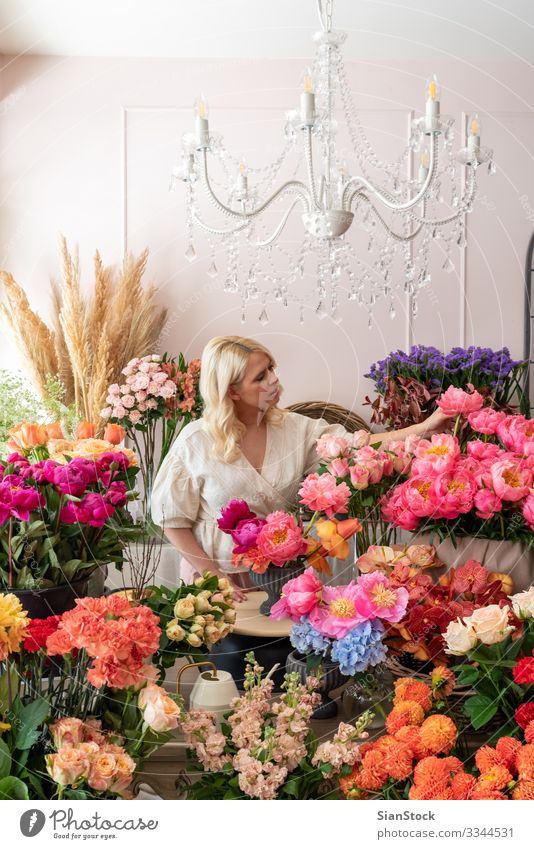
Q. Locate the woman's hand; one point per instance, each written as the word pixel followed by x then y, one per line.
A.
pixel 437 422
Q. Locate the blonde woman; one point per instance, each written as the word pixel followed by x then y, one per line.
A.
pixel 244 446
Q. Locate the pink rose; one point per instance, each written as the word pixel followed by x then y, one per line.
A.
pixel 135 416
pixel 456 402
pixel 339 467
pixel 67 731
pixel 102 771
pixel 359 477
pixel 329 447
pixel 128 401
pixel 159 711
pixel 280 539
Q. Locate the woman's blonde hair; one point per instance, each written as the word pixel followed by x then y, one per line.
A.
pixel 224 362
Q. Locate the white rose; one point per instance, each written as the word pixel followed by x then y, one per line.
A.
pixel 523 604
pixel 194 640
pixel 230 616
pixel 490 624
pixel 202 604
pixel 460 638
pixel 175 631
pixel 184 609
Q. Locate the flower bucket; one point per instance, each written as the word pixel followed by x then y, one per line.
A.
pixel 51 601
pixel 272 581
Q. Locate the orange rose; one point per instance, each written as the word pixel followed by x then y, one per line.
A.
pixel 54 431
pixel 114 433
pixel 85 430
pixel 27 435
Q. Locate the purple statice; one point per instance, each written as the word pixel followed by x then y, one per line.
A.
pixel 360 648
pixel 306 639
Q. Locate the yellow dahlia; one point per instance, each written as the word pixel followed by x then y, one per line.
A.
pixel 13 624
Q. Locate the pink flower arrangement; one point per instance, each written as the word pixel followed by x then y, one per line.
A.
pixel 120 639
pixel 300 596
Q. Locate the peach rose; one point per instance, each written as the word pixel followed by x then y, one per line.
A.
pixel 490 624
pixel 159 711
pixel 67 732
pixel 102 772
pixel 54 431
pixel 114 433
pixel 68 766
pixel 85 430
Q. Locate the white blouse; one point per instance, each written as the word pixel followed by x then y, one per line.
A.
pixel 192 486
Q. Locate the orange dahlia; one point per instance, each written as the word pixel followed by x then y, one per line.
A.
pixel 524 789
pixel 398 761
pixel 410 735
pixel 487 757
pixel 488 794
pixel 438 733
pixel 409 689
pixel 495 779
pixel 430 790
pixel 462 785
pixel 437 769
pixel 372 775
pixel 525 762
pixel 404 713
pixel 507 748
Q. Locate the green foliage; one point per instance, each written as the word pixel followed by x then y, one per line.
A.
pixel 18 403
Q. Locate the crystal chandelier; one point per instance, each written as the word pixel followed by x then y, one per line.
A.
pixel 366 226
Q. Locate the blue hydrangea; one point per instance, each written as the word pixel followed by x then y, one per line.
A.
pixel 306 639
pixel 360 648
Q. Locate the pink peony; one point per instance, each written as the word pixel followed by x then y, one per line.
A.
pixel 322 493
pixel 299 597
pixel 511 479
pixel 515 431
pixel 454 492
pixel 419 497
pixel 528 510
pixel 486 420
pixel 280 539
pixel 435 455
pixel 338 613
pixel 378 598
pixel 456 402
pixel 487 503
pixel 395 512
pixel 483 450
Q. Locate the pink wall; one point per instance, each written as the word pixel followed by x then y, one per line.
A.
pixel 86 150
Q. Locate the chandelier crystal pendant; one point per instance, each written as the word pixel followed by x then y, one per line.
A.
pixel 366 227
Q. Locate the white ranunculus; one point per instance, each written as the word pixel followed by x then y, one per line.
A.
pixel 523 604
pixel 490 624
pixel 460 638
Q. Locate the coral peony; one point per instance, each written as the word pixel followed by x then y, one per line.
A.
pixel 281 539
pixel 456 402
pixel 322 493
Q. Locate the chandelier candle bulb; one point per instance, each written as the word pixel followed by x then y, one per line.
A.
pixel 307 101
pixel 473 139
pixel 423 166
pixel 242 180
pixel 201 123
pixel 432 105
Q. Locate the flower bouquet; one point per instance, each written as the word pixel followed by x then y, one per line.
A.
pixel 409 384
pixel 480 486
pixel 416 759
pixel 338 631
pixel 60 508
pixel 158 398
pixel 364 474
pixel 266 749
pixel 194 617
pixel 278 547
pixel 79 705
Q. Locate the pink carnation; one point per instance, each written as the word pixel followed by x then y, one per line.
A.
pixel 280 539
pixel 456 402
pixel 322 493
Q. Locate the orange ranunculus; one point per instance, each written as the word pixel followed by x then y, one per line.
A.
pixel 54 431
pixel 27 435
pixel 85 430
pixel 114 433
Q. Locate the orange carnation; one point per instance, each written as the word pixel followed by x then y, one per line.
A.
pixel 438 733
pixel 404 713
pixel 524 789
pixel 409 689
pixel 496 779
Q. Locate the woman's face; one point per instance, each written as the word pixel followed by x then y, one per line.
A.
pixel 259 388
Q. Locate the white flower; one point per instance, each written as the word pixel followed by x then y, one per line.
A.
pixel 490 624
pixel 460 638
pixel 523 604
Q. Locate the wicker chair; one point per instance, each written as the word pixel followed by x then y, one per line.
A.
pixel 332 413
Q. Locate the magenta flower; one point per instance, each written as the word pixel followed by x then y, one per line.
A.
pixel 17 502
pixel 246 533
pixel 338 612
pixel 299 597
pixel 70 479
pixel 280 539
pixel 116 493
pixel 322 493
pixel 98 509
pixel 376 597
pixel 234 512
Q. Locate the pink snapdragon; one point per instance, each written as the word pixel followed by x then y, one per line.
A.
pixel 322 493
pixel 455 402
